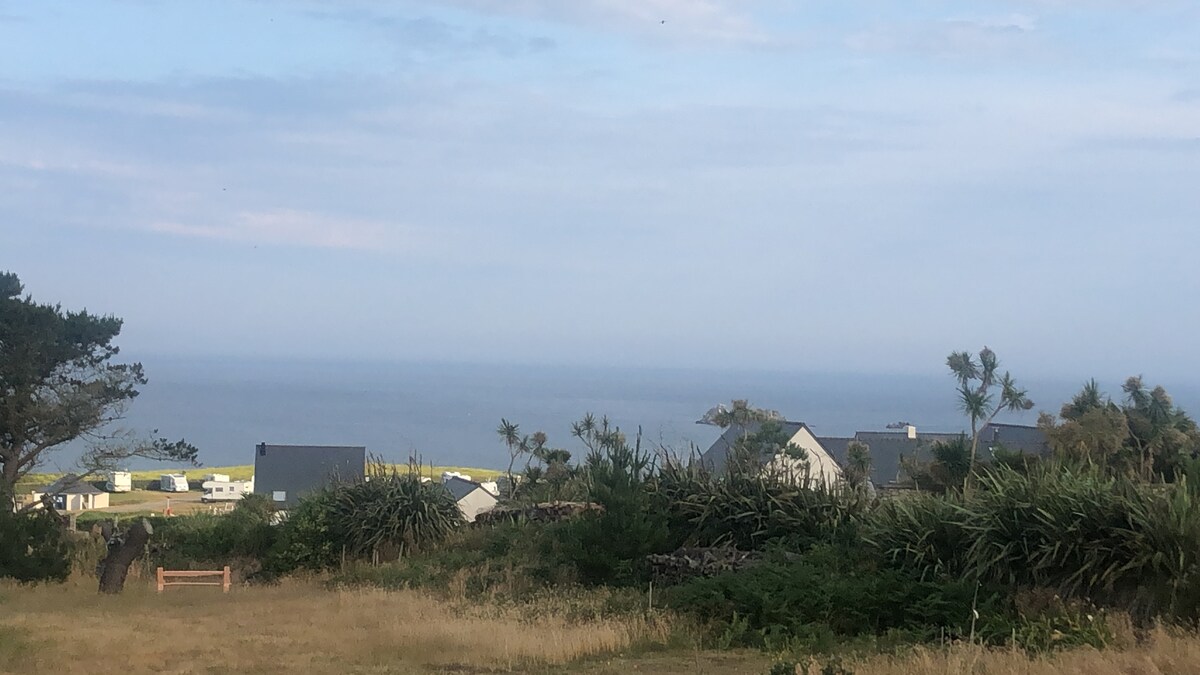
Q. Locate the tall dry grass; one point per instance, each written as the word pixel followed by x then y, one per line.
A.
pixel 294 628
pixel 1164 652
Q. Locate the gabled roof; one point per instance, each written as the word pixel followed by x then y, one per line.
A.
pixel 887 447
pixel 70 484
pixel 716 458
pixel 461 487
pixel 1014 437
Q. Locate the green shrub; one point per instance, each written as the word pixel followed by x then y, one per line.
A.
pixel 33 546
pixel 823 595
pixel 388 516
pixel 308 539
pixel 1087 535
pixel 245 532
pixel 749 510
pixel 391 515
pixel 499 562
pixel 923 533
pixel 610 546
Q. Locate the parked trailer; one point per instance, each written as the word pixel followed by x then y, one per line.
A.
pixel 119 481
pixel 225 490
pixel 173 482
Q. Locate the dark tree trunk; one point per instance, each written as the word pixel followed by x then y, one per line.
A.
pixel 122 551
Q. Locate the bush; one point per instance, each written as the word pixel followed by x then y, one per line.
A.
pixel 391 515
pixel 308 539
pixel 923 533
pixel 830 592
pixel 610 546
pixel 498 562
pixel 246 532
pixel 388 516
pixel 750 510
pixel 33 546
pixel 1087 536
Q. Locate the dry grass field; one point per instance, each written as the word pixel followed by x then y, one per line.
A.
pixel 291 628
pixel 301 627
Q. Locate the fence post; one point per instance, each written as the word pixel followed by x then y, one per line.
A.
pixel 162 581
pixel 225 586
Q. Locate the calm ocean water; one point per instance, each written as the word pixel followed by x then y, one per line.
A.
pixel 447 414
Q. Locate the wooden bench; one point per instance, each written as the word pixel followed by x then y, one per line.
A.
pixel 164 575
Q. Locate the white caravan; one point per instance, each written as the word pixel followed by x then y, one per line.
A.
pixel 173 482
pixel 225 490
pixel 119 481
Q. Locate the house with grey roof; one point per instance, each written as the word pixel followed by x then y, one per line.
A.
pixel 817 466
pixel 473 498
pixel 71 493
pixel 1014 438
pixel 285 473
pixel 888 448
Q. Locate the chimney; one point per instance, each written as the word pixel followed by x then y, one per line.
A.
pixel 912 432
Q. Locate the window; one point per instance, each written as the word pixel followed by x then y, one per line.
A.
pixel 219 489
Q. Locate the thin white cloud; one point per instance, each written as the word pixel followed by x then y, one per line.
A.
pixel 290 227
pixel 713 21
pixel 948 37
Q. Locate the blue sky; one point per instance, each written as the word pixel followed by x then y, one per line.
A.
pixel 826 185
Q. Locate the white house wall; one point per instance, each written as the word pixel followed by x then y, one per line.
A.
pixel 476 502
pixel 818 467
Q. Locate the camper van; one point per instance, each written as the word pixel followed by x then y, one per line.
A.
pixel 173 482
pixel 119 481
pixel 225 490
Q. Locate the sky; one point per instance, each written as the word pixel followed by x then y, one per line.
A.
pixel 834 185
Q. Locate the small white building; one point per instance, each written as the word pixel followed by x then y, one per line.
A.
pixel 473 498
pixel 70 493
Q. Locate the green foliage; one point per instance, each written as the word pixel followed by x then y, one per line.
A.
pixel 750 509
pixel 308 539
pixel 1082 533
pixel 245 532
pixel 1086 534
pixel 947 470
pixel 1064 629
pixel 857 471
pixel 392 514
pixel 498 563
pixel 33 546
pixel 58 382
pixel 923 533
pixel 844 591
pixel 610 546
pixel 983 392
pixel 1146 437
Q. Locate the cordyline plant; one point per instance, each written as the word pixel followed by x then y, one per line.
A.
pixel 978 382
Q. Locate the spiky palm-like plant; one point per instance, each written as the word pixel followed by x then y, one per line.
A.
pixel 392 515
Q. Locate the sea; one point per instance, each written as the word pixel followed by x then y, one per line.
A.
pixel 447 414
